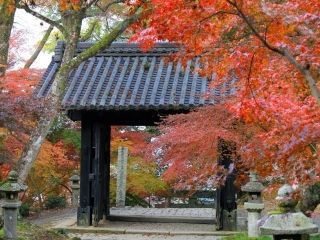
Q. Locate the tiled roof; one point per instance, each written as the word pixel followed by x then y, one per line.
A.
pixel 124 77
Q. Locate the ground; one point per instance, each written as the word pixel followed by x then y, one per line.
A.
pixel 143 237
pixel 65 221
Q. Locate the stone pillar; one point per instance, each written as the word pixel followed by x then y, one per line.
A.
pixel 75 188
pixel 10 205
pixel 122 176
pixel 254 205
pixel 254 214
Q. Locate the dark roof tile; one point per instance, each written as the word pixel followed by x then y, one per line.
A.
pixel 124 77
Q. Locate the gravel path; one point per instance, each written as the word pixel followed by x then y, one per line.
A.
pixel 142 237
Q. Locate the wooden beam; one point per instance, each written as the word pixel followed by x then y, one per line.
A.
pixel 107 172
pixel 84 216
pixel 99 169
pixel 132 117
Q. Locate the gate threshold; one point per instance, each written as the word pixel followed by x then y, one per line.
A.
pixel 162 219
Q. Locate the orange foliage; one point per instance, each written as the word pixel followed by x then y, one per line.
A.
pixel 8 5
pixel 65 5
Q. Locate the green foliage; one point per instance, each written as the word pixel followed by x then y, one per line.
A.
pixel 28 231
pixel 315 237
pixel 61 130
pixel 53 202
pixel 61 231
pixel 93 32
pixel 244 236
pixel 2 137
pixel 134 200
pixel 51 43
pixel 72 137
pixel 24 210
pixel 153 130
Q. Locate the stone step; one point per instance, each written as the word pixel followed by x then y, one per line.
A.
pixel 106 230
pixel 162 219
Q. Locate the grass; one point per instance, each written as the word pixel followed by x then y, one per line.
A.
pixel 244 236
pixel 315 237
pixel 28 231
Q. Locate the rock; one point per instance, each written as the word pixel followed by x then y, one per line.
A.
pixel 288 223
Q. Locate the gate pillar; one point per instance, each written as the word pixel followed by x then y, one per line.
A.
pixel 226 206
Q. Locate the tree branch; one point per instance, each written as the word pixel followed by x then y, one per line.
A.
pixel 217 13
pixel 91 3
pixel 43 18
pixel 310 81
pixel 255 32
pixel 39 48
pixel 105 41
pixel 89 32
pixel 105 8
pixel 251 90
pixel 304 70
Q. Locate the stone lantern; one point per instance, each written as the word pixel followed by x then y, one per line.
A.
pixel 10 204
pixel 75 187
pixel 290 224
pixel 254 206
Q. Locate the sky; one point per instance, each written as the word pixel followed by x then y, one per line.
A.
pixel 32 33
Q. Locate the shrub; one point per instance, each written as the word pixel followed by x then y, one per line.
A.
pixel 310 198
pixel 53 202
pixel 134 200
pixel 24 210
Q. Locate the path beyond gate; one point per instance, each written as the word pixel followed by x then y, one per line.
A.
pixel 124 86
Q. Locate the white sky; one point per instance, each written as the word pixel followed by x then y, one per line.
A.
pixel 33 31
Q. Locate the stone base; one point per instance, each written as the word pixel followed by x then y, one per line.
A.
pixel 229 220
pixel 288 224
pixel 84 216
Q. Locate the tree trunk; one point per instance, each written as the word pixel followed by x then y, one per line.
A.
pixel 72 21
pixel 7 12
pixel 39 48
pixel 72 24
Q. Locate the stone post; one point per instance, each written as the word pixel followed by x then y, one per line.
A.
pixel 75 187
pixel 10 205
pixel 122 176
pixel 254 205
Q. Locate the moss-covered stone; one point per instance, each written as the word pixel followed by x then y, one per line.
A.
pixel 28 231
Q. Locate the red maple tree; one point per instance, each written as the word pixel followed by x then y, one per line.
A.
pixel 273 49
